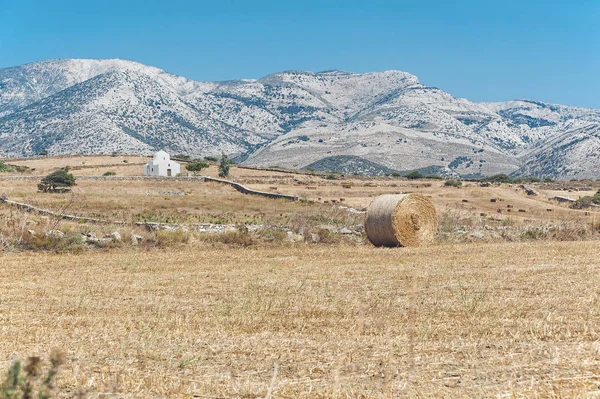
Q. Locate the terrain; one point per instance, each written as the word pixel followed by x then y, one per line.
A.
pixel 288 299
pixel 386 121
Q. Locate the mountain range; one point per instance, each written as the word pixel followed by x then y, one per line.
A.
pixel 371 123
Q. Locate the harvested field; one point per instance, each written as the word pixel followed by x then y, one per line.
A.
pixel 446 321
pixel 501 305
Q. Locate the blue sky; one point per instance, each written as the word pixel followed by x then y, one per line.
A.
pixel 482 50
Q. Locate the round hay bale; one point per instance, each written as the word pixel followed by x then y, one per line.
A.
pixel 406 220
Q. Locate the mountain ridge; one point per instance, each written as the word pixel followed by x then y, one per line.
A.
pixel 288 118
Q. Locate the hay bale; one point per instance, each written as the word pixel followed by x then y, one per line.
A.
pixel 407 220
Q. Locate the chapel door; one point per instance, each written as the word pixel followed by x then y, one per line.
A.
pixel 168 172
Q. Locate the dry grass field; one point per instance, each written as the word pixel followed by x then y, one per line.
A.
pixel 504 304
pixel 477 320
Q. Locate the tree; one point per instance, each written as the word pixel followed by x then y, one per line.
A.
pixel 57 181
pixel 224 166
pixel 196 167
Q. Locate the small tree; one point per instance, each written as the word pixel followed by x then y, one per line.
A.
pixel 57 180
pixel 224 166
pixel 196 167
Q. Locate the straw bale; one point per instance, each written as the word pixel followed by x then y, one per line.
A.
pixel 407 220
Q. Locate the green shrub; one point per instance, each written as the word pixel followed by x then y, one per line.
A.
pixel 31 381
pixel 69 243
pixel 110 173
pixel 211 159
pixel 414 175
pixel 434 176
pixel 453 183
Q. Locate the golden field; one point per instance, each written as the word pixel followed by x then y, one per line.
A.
pixel 511 313
pixel 476 320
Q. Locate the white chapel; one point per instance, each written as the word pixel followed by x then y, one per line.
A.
pixel 161 165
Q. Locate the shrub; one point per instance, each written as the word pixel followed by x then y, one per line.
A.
pixel 328 237
pixel 166 238
pixel 69 243
pixel 211 159
pixel 110 173
pixel 587 201
pixel 233 238
pixel 196 167
pixel 31 381
pixel 414 175
pixel 453 183
pixel 4 167
pixel 434 176
pixel 500 178
pixel 396 174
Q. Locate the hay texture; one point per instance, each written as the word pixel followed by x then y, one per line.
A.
pixel 406 220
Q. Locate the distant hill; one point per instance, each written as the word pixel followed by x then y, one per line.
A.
pixel 294 119
pixel 349 164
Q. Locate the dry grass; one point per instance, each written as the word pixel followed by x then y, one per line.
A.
pixel 495 320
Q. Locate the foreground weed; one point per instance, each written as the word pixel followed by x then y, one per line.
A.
pixel 31 381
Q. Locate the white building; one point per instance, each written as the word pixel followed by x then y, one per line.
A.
pixel 161 165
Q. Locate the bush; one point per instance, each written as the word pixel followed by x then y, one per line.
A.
pixel 31 381
pixel 587 201
pixel 500 178
pixel 434 177
pixel 196 167
pixel 211 159
pixel 328 237
pixel 414 175
pixel 233 238
pixel 453 183
pixel 167 238
pixel 110 173
pixel 6 168
pixel 69 243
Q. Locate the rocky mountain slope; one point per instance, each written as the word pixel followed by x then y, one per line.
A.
pixel 382 121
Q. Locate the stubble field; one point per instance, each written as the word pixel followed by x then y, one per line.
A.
pixel 500 317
